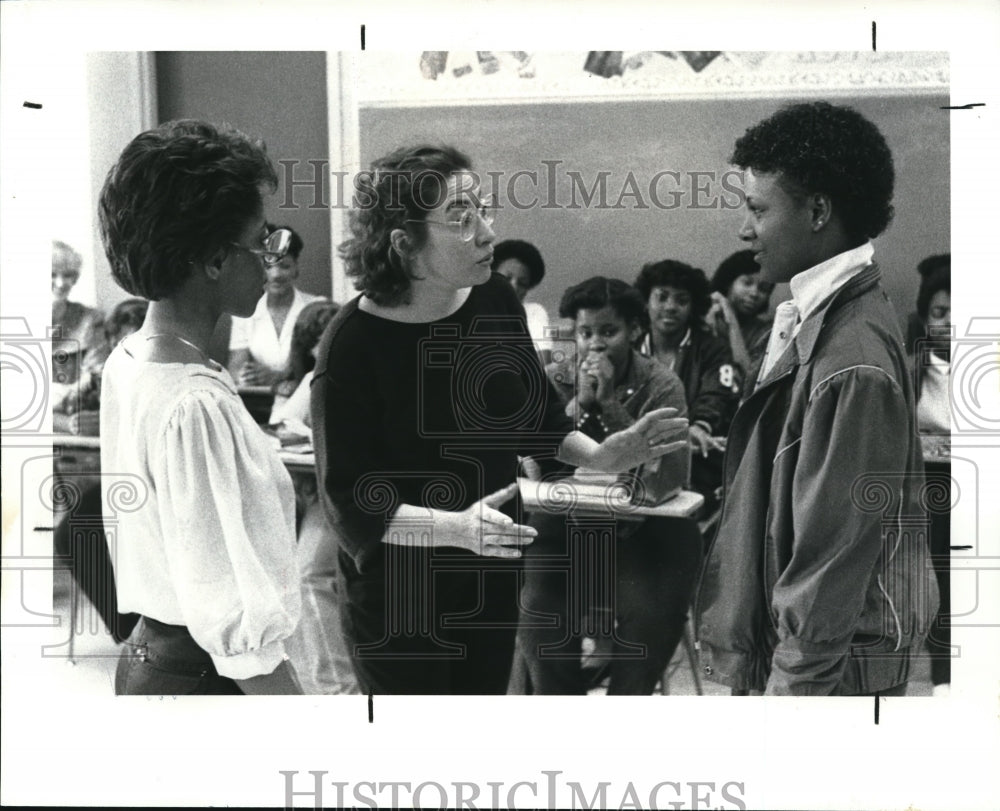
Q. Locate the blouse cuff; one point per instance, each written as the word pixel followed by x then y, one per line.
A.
pixel 258 662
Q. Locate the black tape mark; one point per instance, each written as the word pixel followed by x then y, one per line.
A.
pixel 371 709
pixel 876 709
pixel 873 35
pixel 362 37
pixel 966 106
pixel 965 546
pixel 34 105
pixel 53 529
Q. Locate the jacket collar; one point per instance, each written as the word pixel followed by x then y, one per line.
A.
pixel 804 343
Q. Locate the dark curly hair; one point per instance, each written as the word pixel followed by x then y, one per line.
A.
pixel 128 313
pixel 932 263
pixel 819 148
pixel 731 268
pixel 178 194
pixel 401 186
pixel 524 252
pixel 938 279
pixel 600 291
pixel 672 273
pixel 295 244
pixel 308 329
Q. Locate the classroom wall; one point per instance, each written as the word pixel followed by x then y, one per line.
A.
pixel 281 97
pixel 692 222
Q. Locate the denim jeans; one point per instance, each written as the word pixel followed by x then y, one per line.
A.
pixel 160 659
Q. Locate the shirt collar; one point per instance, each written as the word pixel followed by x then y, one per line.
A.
pixel 812 287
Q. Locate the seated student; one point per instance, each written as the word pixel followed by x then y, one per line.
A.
pixel 81 415
pixel 932 370
pixel 655 560
pixel 521 264
pixel 916 326
pixel 739 303
pixel 259 346
pixel 77 331
pixel 291 401
pixel 677 300
pixel 316 649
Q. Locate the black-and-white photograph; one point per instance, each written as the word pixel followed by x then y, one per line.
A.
pixel 497 385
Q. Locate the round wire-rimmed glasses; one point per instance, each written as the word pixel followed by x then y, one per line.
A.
pixel 467 222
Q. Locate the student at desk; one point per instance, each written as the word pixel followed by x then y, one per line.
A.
pixel 607 388
pixel 678 298
pixel 260 345
pixel 932 371
pixel 291 395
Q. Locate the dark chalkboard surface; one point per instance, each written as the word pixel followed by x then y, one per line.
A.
pixel 688 214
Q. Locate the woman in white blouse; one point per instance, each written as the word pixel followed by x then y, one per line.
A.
pixel 260 345
pixel 206 548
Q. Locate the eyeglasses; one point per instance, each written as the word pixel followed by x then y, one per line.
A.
pixel 276 245
pixel 467 222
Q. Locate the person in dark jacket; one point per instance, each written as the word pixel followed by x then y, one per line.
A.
pixel 678 297
pixel 818 581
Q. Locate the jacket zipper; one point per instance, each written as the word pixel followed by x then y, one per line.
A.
pixel 722 510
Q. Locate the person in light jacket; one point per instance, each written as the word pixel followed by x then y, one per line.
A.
pixel 818 581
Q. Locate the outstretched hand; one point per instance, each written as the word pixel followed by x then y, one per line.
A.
pixel 653 435
pixel 483 529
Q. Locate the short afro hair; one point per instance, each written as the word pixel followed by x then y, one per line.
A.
pixel 672 273
pixel 820 148
pixel 178 194
pixel 600 291
pixel 738 264
pixel 396 192
pixel 524 252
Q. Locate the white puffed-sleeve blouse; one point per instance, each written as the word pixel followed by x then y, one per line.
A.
pixel 209 540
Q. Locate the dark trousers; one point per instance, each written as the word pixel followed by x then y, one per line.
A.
pixel 160 659
pixel 587 577
pixel 80 537
pixel 425 622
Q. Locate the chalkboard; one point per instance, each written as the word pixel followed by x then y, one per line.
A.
pixel 664 165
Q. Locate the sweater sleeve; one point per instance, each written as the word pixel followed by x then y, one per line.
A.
pixel 346 432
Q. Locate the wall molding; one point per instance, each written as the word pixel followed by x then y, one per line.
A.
pixel 404 80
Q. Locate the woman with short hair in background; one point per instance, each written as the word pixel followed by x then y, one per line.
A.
pixel 78 332
pixel 931 361
pixel 260 345
pixel 740 300
pixel 521 264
